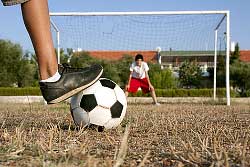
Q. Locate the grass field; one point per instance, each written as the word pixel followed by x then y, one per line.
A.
pixel 169 135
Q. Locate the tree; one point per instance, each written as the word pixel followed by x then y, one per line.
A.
pixel 190 74
pixel 123 69
pixel 236 54
pixel 82 59
pixel 220 71
pixel 239 76
pixel 111 71
pixel 10 56
pixel 16 69
pixel 239 73
pixel 161 79
pixel 27 74
pixel 65 56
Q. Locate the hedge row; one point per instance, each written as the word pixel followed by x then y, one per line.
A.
pixel 8 91
pixel 220 92
pixel 35 91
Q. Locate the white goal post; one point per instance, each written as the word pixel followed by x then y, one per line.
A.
pixel 222 19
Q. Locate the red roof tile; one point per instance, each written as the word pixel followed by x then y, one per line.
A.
pixel 245 55
pixel 149 56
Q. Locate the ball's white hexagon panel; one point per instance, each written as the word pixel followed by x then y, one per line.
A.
pixel 112 123
pixel 105 97
pixel 92 89
pixel 121 97
pixel 99 116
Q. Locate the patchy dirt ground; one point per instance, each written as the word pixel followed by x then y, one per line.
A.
pixel 166 135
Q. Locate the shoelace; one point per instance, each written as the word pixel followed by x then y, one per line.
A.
pixel 65 67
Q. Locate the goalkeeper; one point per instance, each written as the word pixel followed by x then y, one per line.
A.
pixel 139 78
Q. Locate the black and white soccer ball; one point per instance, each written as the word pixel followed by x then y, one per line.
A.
pixel 102 104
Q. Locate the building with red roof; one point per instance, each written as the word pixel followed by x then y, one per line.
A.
pixel 206 58
pixel 149 56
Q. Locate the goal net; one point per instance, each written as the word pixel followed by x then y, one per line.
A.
pixel 168 38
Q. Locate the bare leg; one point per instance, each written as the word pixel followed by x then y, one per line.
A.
pixel 37 22
pixel 154 96
pixel 126 91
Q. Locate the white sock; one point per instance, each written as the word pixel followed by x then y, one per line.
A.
pixel 54 78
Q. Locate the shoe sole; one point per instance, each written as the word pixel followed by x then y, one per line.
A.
pixel 75 91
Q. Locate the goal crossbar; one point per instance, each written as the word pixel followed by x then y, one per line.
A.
pixel 137 13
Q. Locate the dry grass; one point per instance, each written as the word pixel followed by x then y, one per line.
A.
pixel 169 135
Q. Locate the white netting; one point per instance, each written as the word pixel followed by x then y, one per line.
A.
pixel 140 32
pixel 176 36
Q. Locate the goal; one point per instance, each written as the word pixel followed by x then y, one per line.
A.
pixel 169 37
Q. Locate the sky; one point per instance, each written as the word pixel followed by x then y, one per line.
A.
pixel 12 28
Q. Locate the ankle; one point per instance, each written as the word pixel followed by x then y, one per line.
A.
pixel 53 78
pixel 157 104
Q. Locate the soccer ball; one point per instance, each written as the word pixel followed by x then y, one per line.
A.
pixel 103 104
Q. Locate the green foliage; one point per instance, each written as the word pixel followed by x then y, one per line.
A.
pixel 247 93
pixel 117 71
pixel 110 71
pixel 221 92
pixel 190 74
pixel 26 73
pixel 15 69
pixel 235 55
pixel 10 91
pixel 65 56
pixel 21 70
pixel 221 71
pixel 161 79
pixel 123 69
pixel 239 75
pixel 82 59
pixel 10 56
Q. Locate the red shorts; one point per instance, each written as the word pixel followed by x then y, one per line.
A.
pixel 136 83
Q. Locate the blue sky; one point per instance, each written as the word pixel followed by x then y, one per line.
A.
pixel 12 27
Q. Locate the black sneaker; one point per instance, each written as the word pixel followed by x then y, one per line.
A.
pixel 72 81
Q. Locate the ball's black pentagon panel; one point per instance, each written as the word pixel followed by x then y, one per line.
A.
pixel 88 102
pixel 116 110
pixel 107 83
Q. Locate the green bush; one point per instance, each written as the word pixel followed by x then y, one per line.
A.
pixel 161 78
pixel 220 92
pixel 16 68
pixel 8 91
pixel 190 74
pixel 248 93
